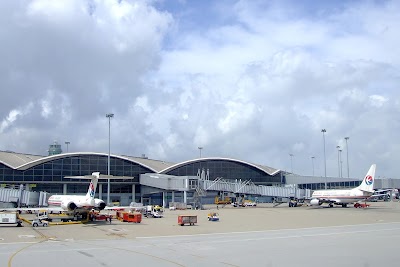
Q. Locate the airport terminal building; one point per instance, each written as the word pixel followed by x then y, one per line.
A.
pixel 50 174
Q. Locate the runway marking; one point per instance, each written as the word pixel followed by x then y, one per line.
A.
pixel 137 252
pixel 103 247
pixel 43 236
pixel 99 247
pixel 112 231
pixel 26 236
pixel 17 243
pixel 85 253
pixel 286 237
pixel 265 231
pixel 20 250
pixel 116 230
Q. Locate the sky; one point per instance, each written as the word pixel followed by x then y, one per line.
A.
pixel 251 80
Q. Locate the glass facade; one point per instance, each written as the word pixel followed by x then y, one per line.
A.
pixel 229 170
pixel 330 185
pixel 49 176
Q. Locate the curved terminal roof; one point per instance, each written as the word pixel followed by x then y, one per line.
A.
pixel 13 159
pixel 21 161
pixel 268 170
pixel 156 165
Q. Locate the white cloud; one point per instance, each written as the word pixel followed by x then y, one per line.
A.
pixel 254 80
pixel 236 116
pixel 13 116
pixel 377 100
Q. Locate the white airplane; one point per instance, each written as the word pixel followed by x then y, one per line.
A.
pixel 59 203
pixel 73 202
pixel 346 196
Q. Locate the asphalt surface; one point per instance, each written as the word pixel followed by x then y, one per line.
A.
pixel 261 236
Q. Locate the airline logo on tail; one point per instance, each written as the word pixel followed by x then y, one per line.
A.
pixel 91 190
pixel 369 180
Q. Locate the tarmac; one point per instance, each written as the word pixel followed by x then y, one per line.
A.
pixel 244 236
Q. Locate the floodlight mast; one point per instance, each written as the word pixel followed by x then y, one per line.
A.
pixel 347 150
pixel 67 143
pixel 109 116
pixel 312 161
pixel 323 135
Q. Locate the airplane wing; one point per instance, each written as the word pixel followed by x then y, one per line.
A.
pixel 51 209
pixel 320 200
pixel 382 192
pixel 116 208
pixel 329 200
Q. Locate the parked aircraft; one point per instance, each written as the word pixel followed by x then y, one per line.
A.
pixel 72 202
pixel 346 196
pixel 59 203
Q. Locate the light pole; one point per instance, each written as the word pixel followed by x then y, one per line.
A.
pixel 323 135
pixel 312 161
pixel 338 159
pixel 341 163
pixel 67 143
pixel 291 162
pixel 200 148
pixel 347 150
pixel 109 116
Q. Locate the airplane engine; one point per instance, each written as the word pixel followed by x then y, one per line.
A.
pixel 314 202
pixel 68 205
pixel 100 204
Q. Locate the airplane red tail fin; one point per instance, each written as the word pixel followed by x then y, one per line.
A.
pixel 367 184
pixel 93 185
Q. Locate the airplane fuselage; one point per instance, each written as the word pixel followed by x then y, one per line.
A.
pixel 343 196
pixel 70 202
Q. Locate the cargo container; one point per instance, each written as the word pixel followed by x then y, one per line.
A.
pixel 10 218
pixel 187 219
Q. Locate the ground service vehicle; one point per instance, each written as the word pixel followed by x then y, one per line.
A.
pixel 40 222
pixel 213 216
pixel 124 216
pixel 224 201
pixel 187 219
pixel 62 216
pixel 10 218
pixel 250 204
pixel 154 211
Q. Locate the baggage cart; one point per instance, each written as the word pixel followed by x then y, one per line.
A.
pixel 187 219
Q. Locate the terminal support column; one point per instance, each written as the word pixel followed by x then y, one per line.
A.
pixel 64 189
pixel 100 191
pixel 184 192
pixel 133 193
pixel 173 196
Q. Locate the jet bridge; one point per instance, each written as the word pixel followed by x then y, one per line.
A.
pixel 19 196
pixel 196 183
pixel 249 188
